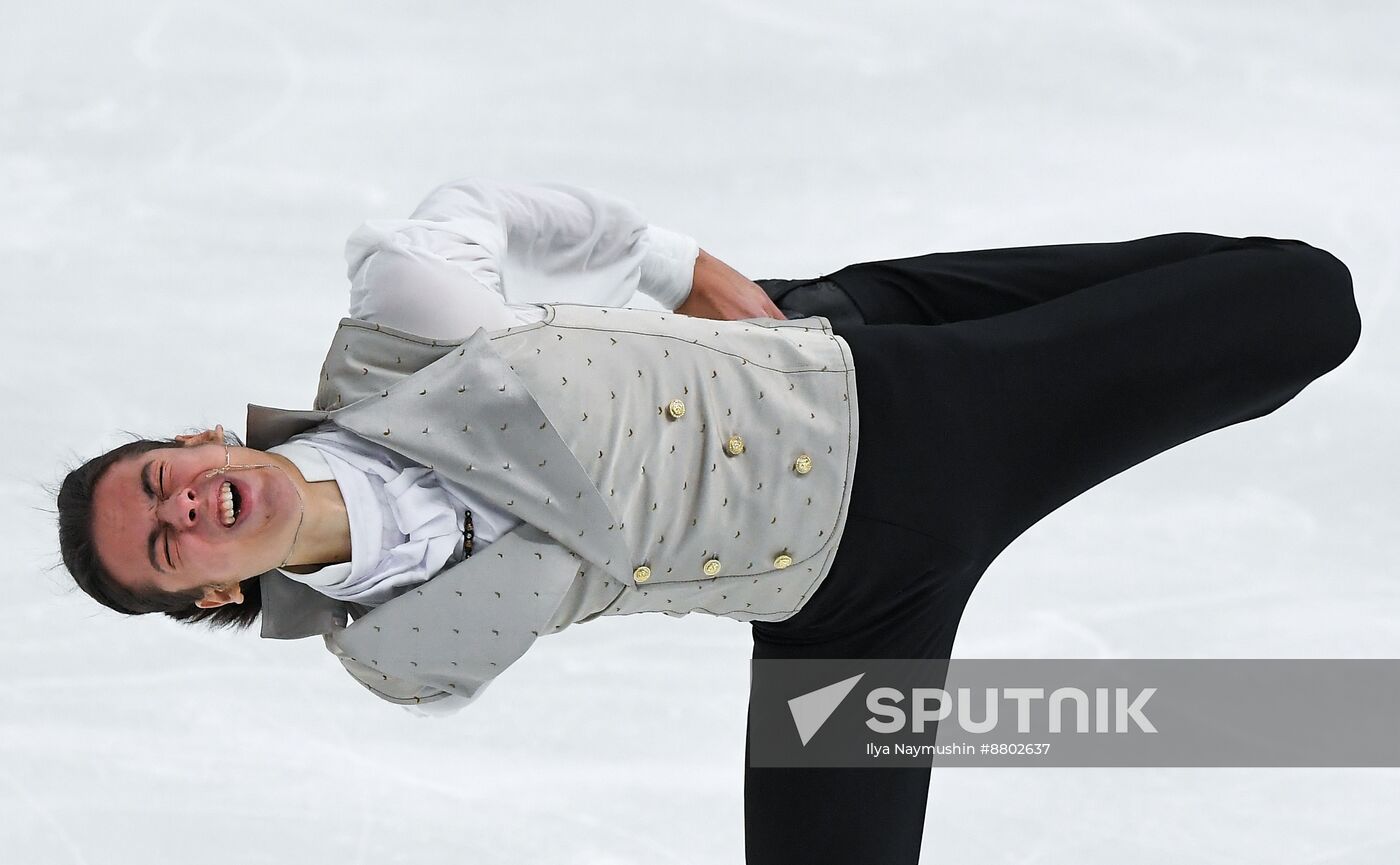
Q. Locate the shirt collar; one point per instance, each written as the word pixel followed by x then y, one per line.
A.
pixel 307 459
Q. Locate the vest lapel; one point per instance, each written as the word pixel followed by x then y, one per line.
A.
pixel 470 418
pixel 269 427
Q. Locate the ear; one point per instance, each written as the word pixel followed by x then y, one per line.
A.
pixel 218 596
pixel 215 435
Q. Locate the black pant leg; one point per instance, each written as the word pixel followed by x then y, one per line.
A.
pixel 956 286
pixel 944 287
pixel 875 603
pixel 1039 387
pixel 991 423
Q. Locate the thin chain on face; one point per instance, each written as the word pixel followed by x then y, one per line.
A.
pixel 228 467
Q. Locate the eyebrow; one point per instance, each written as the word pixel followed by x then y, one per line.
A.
pixel 155 532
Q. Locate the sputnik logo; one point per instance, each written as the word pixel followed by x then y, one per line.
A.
pixel 810 710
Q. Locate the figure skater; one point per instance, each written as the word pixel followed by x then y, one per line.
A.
pixel 836 460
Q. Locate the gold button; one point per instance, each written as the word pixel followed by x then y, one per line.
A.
pixel 642 574
pixel 803 464
pixel 676 408
pixel 711 567
pixel 735 445
pixel 782 561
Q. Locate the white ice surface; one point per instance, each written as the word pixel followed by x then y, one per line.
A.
pixel 176 182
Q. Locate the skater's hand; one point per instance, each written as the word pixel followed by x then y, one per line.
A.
pixel 719 291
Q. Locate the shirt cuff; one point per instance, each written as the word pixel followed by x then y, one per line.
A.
pixel 668 268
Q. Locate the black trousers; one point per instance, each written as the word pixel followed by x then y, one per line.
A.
pixel 994 386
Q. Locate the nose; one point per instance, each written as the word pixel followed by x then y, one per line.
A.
pixel 182 509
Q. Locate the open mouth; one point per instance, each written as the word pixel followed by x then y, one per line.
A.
pixel 230 504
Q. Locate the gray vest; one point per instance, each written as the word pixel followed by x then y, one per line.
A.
pixel 659 463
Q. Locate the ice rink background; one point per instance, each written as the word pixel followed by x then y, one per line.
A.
pixel 177 181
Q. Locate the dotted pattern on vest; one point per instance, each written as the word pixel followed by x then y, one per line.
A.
pixel 573 424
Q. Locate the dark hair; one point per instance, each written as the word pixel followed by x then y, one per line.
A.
pixel 75 517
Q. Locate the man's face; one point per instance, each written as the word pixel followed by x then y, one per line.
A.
pixel 159 518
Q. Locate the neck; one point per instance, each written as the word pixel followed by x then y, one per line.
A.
pixel 324 536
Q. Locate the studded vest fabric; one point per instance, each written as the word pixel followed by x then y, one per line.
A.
pixel 660 463
pixel 725 450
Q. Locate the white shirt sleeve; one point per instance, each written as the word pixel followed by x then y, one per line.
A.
pixel 479 253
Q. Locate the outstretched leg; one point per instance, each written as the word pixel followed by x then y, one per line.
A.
pixel 988 423
pixel 943 287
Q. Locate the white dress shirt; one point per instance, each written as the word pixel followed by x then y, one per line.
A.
pixel 478 253
pixel 405 520
pixel 474 253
